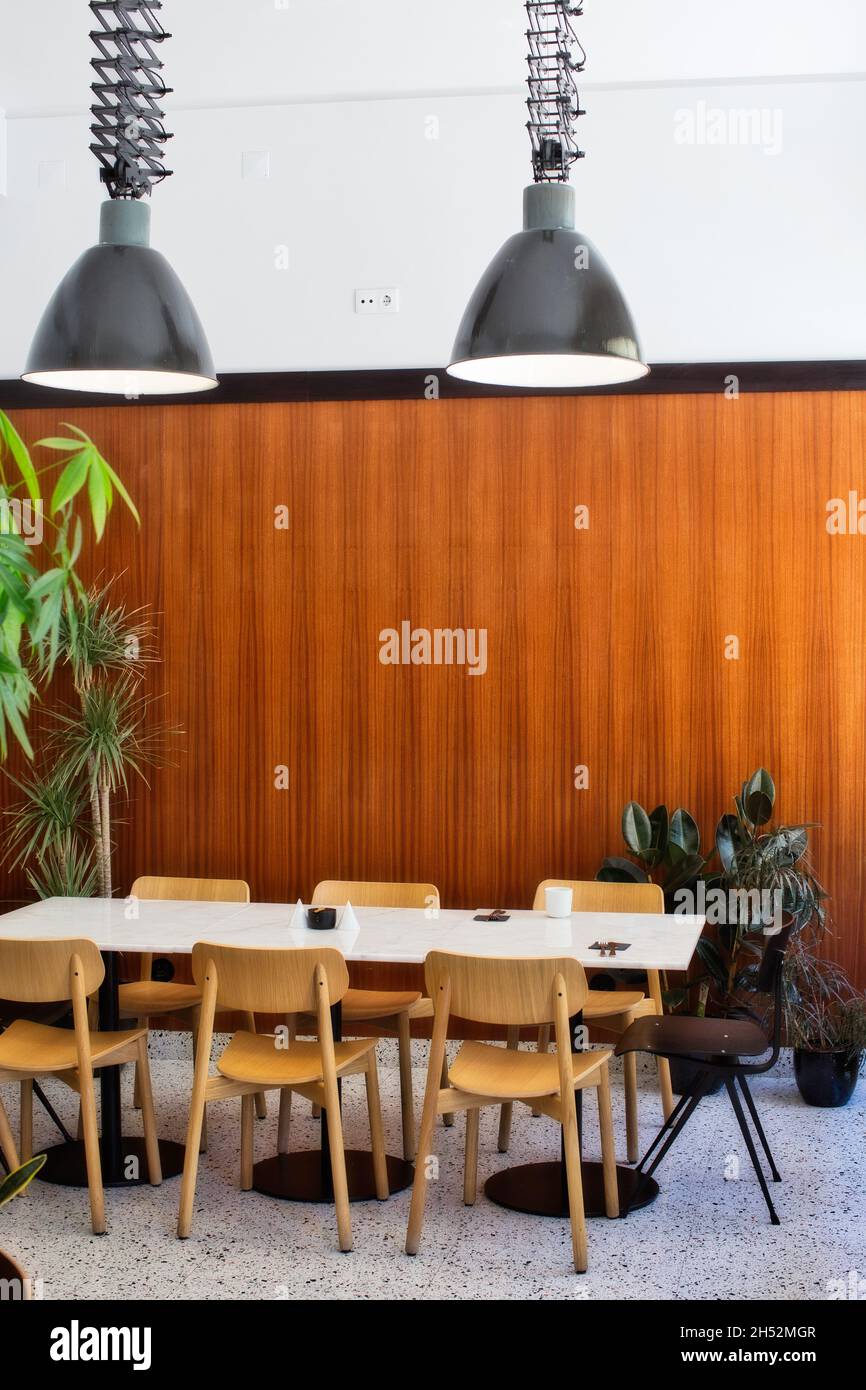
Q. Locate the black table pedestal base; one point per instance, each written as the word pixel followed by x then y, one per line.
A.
pixel 299 1177
pixel 66 1165
pixel 538 1189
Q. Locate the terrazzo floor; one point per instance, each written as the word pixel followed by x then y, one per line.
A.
pixel 707 1236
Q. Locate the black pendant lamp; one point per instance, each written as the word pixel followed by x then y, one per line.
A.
pixel 548 311
pixel 121 321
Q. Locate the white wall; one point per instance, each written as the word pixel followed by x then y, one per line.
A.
pixel 726 252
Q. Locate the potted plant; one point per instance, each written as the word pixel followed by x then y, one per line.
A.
pixel 758 875
pixel 825 1024
pixel 12 1276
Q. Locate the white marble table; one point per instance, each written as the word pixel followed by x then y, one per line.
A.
pixel 655 942
pixel 386 934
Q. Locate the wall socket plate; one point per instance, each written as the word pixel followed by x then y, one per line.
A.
pixel 381 301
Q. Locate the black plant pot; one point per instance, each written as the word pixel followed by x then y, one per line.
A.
pixel 683 1074
pixel 827 1079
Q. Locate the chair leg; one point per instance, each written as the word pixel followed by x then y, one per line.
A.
pixel 261 1102
pixel 543 1046
pixel 753 1153
pixel 506 1109
pixel 377 1133
pixel 574 1179
pixel 630 1086
pixel 684 1111
pixel 744 1087
pixel 26 1120
pixel 148 1119
pixel 284 1122
pixel 195 1020
pixel 470 1162
pixel 7 1140
pixel 407 1105
pixel 665 1087
pixel 338 1172
pixel 608 1146
pixel 246 1143
pixel 448 1119
pixel 190 1164
pixel 91 1151
pixel 136 1089
pixel 432 1093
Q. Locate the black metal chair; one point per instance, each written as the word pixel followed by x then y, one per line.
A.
pixel 716 1046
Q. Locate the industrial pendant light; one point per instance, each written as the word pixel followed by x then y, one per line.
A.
pixel 121 321
pixel 547 311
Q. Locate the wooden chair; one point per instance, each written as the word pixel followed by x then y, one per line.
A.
pixel 392 1011
pixel 145 998
pixel 495 991
pixel 259 980
pixel 611 1011
pixel 38 972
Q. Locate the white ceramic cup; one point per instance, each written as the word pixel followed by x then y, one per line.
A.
pixel 557 902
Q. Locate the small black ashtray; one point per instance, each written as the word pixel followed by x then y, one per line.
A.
pixel 321 918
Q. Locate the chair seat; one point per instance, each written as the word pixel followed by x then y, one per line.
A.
pixel 360 1004
pixel 675 1036
pixel 144 998
pixel 604 1003
pixel 33 1048
pixel 253 1057
pixel 509 1074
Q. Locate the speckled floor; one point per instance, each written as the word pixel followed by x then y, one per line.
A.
pixel 706 1237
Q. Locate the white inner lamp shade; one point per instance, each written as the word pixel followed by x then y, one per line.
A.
pixel 549 369
pixel 116 382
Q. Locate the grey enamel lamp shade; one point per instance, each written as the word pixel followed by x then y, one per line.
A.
pixel 547 311
pixel 120 320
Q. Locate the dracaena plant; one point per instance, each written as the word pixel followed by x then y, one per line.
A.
pixel 754 875
pixel 62 830
pixel 40 546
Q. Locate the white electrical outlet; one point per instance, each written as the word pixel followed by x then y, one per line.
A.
pixel 382 301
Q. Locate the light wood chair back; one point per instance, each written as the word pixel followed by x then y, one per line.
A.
pixel 260 980
pixel 496 989
pixel 591 895
pixel 200 890
pixel 338 892
pixel 39 972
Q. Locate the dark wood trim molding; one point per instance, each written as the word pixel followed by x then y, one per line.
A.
pixel 413 383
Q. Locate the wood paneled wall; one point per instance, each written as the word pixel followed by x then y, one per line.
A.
pixel 606 646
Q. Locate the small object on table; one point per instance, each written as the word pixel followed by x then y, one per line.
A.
pixel 497 915
pixel 609 948
pixel 322 918
pixel 558 901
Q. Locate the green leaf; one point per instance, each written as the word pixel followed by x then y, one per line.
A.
pixel 684 837
pixel 71 480
pixel 636 828
pixel 759 795
pixel 67 446
pixel 659 826
pixel 121 489
pixel 20 1178
pixel 13 708
pixel 729 839
pixel 99 500
pixel 616 870
pixel 710 956
pixel 18 449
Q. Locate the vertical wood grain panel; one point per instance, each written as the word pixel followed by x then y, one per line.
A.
pixel 605 646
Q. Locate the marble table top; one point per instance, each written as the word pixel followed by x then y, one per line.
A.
pixel 656 941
